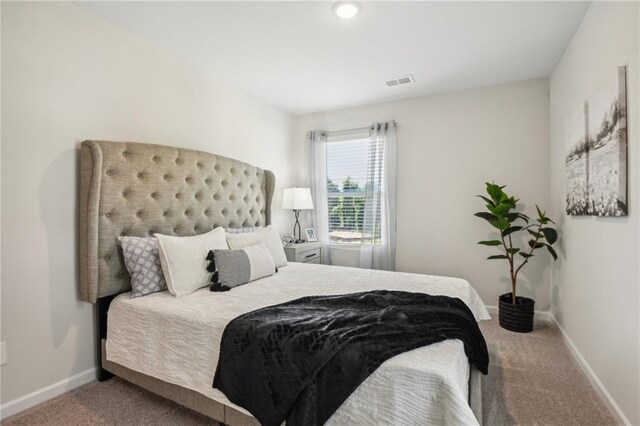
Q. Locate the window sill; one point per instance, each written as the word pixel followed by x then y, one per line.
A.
pixel 350 246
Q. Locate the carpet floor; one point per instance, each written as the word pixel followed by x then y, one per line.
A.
pixel 533 380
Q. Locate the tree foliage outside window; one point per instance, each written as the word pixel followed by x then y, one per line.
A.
pixel 346 206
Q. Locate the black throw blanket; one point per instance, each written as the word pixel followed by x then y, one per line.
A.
pixel 300 360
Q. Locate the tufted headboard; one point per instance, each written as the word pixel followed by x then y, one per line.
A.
pixel 141 189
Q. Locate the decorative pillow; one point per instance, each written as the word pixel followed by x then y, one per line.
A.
pixel 184 259
pixel 232 268
pixel 243 230
pixel 268 235
pixel 143 263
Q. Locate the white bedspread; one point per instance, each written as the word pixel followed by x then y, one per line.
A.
pixel 178 339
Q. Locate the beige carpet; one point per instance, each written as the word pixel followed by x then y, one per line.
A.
pixel 533 380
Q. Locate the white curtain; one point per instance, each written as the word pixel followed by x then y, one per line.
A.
pixel 320 214
pixel 378 247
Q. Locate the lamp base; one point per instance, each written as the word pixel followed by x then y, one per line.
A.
pixel 297 225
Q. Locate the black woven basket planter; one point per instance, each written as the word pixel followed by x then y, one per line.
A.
pixel 518 317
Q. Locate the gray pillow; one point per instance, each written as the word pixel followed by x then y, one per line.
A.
pixel 143 263
pixel 232 268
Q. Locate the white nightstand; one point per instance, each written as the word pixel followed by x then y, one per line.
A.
pixel 304 252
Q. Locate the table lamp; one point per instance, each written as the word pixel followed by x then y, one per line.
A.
pixel 297 199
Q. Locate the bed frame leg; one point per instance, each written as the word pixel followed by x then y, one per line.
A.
pixel 104 375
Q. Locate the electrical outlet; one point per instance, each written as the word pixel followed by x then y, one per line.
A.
pixel 3 353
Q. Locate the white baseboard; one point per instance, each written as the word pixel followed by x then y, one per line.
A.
pixel 539 315
pixel 615 410
pixel 46 393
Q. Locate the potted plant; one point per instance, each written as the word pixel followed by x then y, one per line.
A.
pixel 515 312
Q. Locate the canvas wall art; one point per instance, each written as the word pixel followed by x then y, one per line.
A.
pixel 596 158
pixel 576 164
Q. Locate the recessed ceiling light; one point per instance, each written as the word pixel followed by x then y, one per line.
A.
pixel 346 9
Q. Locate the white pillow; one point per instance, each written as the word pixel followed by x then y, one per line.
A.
pixel 268 235
pixel 184 259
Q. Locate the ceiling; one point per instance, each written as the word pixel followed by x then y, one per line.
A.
pixel 300 58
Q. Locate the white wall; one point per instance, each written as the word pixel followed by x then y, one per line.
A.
pixel 70 76
pixel 0 202
pixel 596 286
pixel 448 146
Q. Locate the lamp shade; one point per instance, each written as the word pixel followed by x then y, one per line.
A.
pixel 297 199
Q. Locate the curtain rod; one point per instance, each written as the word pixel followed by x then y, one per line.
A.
pixel 349 130
pixel 359 129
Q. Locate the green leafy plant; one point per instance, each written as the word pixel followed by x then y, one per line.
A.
pixel 501 214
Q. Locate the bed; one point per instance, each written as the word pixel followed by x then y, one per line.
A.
pixel 170 345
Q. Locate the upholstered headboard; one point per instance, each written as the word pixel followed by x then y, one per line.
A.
pixel 141 189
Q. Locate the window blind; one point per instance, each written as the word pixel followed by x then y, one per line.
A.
pixel 354 179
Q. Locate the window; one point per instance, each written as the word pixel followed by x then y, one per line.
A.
pixel 353 180
pixel 352 186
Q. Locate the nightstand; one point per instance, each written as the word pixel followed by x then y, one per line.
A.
pixel 304 252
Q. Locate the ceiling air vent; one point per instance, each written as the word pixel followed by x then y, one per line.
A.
pixel 398 81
